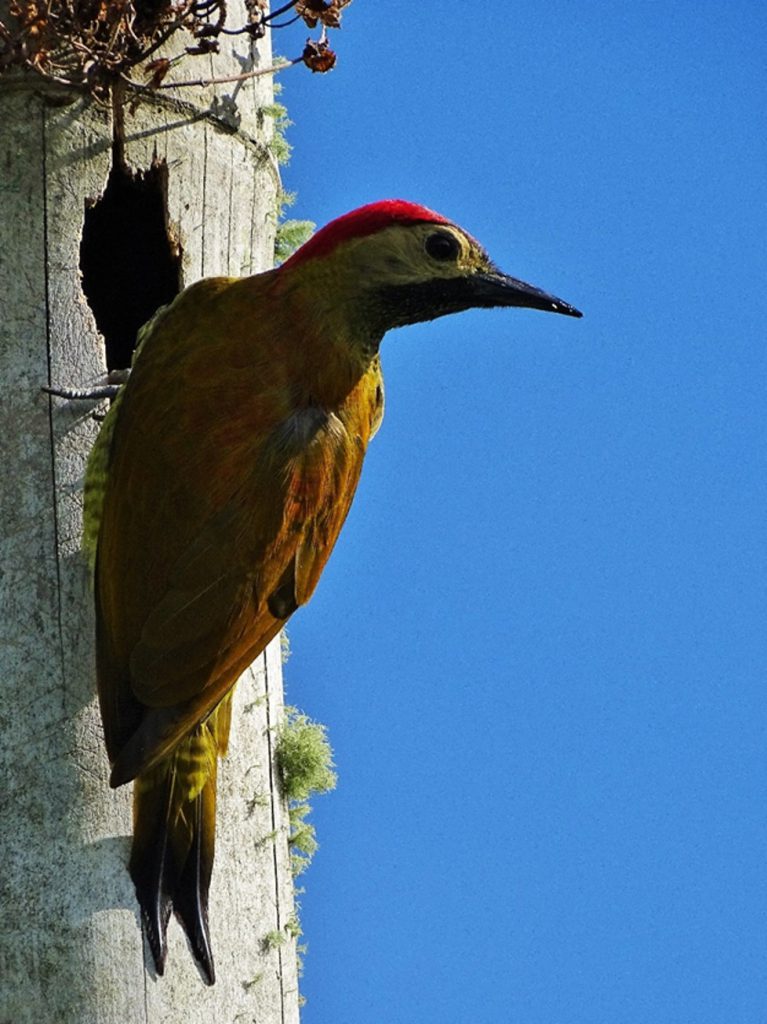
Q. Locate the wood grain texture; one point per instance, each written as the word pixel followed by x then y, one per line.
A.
pixel 70 943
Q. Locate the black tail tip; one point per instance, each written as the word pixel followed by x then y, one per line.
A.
pixel 155 932
pixel 194 921
pixel 206 968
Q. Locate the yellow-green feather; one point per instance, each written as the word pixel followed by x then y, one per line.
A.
pixel 97 468
pixel 96 478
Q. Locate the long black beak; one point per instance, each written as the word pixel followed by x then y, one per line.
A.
pixel 496 289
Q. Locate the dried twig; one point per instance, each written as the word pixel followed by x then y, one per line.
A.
pixel 91 44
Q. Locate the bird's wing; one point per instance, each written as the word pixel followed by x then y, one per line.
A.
pixel 214 615
pixel 213 610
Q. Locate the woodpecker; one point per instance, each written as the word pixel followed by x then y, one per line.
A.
pixel 216 491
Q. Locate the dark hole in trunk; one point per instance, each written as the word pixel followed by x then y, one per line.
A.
pixel 130 264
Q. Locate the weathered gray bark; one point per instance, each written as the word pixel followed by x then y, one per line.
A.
pixel 70 942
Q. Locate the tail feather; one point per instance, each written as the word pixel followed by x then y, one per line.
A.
pixel 150 863
pixel 190 901
pixel 172 856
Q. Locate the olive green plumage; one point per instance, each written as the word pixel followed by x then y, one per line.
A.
pixel 216 491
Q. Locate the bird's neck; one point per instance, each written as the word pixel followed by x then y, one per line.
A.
pixel 332 363
pixel 332 345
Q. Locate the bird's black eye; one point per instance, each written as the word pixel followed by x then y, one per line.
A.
pixel 442 246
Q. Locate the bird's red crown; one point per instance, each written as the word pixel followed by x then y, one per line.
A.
pixel 365 220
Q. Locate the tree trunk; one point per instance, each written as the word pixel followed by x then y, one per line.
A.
pixel 71 948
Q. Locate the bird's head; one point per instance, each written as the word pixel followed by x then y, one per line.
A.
pixel 397 263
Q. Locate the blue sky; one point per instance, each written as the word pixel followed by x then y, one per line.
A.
pixel 539 647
